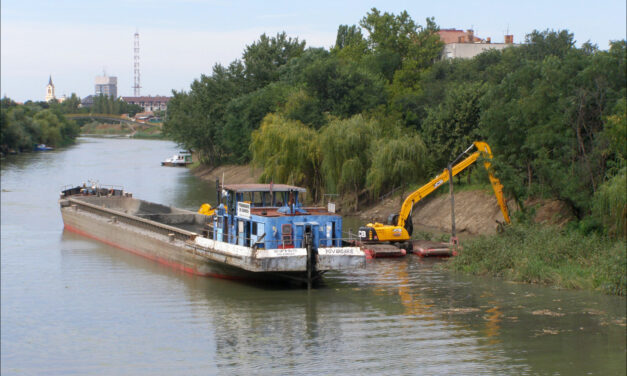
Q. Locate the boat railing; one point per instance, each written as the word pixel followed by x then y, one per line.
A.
pixel 323 242
pixel 146 224
pixel 106 186
pixel 112 186
pixel 350 235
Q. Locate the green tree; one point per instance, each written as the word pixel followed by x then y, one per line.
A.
pixel 70 105
pixel 346 155
pixel 288 152
pixel 304 108
pixel 610 205
pixel 244 114
pixel 264 58
pixel 343 89
pixel 396 162
pixel 350 43
pixel 196 119
pixel 546 115
pixel 453 125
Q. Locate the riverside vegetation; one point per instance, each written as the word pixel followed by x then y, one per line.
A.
pixel 24 125
pixel 380 109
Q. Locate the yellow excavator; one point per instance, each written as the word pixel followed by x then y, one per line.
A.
pixel 400 226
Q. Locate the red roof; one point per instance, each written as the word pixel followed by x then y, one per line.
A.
pixel 458 36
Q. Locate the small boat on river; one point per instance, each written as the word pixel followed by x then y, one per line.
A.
pixel 182 159
pixel 43 147
pixel 258 231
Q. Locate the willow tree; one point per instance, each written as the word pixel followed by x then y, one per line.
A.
pixel 345 147
pixel 610 205
pixel 396 161
pixel 288 152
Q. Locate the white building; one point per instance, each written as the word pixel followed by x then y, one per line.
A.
pixel 106 85
pixel 470 50
pixel 460 44
pixel 150 104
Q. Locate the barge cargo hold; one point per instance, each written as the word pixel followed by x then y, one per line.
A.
pixel 214 245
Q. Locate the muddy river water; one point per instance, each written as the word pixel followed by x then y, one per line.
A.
pixel 71 305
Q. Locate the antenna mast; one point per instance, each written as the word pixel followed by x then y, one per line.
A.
pixel 136 84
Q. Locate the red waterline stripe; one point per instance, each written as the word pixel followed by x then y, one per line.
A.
pixel 151 257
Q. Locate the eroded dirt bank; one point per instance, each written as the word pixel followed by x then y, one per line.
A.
pixel 234 174
pixel 476 212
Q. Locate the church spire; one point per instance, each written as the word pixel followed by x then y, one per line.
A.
pixel 50 90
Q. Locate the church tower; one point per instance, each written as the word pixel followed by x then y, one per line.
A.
pixel 50 91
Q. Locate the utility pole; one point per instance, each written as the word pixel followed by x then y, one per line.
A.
pixel 450 187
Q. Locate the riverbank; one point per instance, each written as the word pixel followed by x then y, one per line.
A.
pixel 240 174
pixel 476 210
pixel 546 252
pixel 548 255
pixel 140 131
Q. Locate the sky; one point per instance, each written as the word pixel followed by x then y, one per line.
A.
pixel 180 40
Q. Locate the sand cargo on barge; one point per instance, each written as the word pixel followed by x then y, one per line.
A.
pixel 258 231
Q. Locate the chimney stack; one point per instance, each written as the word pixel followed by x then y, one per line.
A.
pixel 471 35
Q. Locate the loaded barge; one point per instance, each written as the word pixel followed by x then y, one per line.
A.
pixel 257 232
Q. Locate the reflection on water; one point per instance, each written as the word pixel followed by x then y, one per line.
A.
pixel 73 305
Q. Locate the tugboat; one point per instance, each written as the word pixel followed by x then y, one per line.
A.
pixel 257 232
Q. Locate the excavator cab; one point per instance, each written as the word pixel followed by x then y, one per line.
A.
pixel 393 219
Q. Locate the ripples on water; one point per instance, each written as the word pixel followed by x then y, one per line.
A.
pixel 71 305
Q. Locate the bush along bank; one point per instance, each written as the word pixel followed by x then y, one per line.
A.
pixel 547 255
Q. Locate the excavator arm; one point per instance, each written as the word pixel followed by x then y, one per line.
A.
pixel 443 177
pixel 401 231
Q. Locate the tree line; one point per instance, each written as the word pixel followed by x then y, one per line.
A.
pixel 381 109
pixel 24 126
pixel 102 104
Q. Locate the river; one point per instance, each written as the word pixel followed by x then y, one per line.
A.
pixel 71 305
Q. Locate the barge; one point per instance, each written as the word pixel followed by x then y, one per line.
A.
pixel 257 232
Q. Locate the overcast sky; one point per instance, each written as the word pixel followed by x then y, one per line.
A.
pixel 75 41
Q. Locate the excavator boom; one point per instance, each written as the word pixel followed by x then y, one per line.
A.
pixel 401 231
pixel 443 177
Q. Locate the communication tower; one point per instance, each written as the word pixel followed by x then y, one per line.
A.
pixel 136 84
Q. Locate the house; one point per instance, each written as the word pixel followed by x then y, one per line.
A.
pixel 149 103
pixel 88 101
pixel 460 44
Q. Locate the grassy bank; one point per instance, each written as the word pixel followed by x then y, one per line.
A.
pixel 105 129
pixel 141 131
pixel 150 134
pixel 547 255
